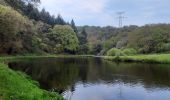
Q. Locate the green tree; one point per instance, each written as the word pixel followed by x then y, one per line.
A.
pixel 83 49
pixel 59 20
pixel 149 39
pixel 20 4
pixel 32 12
pixel 74 26
pixel 11 23
pixel 63 39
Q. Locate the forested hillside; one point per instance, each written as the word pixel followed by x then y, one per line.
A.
pixel 145 39
pixel 26 30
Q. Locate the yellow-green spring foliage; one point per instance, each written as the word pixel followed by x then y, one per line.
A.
pixel 114 52
pixel 11 22
pixel 12 26
pixel 64 38
pixel 119 52
pixel 129 51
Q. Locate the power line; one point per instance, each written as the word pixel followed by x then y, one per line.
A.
pixel 120 18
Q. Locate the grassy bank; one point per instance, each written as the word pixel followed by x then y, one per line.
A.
pixel 153 58
pixel 18 57
pixel 18 86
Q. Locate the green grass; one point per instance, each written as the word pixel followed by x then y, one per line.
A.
pixel 152 58
pixel 18 86
pixel 17 57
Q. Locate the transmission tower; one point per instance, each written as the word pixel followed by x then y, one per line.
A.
pixel 120 18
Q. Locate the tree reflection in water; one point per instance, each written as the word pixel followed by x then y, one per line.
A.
pixel 69 75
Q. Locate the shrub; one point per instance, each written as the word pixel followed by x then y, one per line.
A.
pixel 129 51
pixel 114 52
pixel 166 47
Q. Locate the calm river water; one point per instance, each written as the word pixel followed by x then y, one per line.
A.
pixel 96 79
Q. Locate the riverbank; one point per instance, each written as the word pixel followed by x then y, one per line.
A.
pixel 18 86
pixel 152 58
pixel 2 58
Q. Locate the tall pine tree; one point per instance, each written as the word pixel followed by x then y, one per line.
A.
pixel 59 20
pixel 74 26
pixel 83 49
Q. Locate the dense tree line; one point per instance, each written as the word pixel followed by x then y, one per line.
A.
pixel 43 34
pixel 152 38
pixel 29 8
pixel 20 35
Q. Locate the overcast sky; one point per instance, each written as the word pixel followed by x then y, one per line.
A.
pixel 103 12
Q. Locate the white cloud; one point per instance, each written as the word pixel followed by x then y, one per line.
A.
pixel 93 6
pixel 77 9
pixel 103 12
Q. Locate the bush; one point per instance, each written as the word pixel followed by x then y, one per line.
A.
pixel 114 52
pixel 129 51
pixel 166 47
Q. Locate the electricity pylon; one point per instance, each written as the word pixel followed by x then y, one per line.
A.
pixel 120 18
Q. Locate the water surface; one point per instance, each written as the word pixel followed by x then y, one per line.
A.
pixel 96 79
